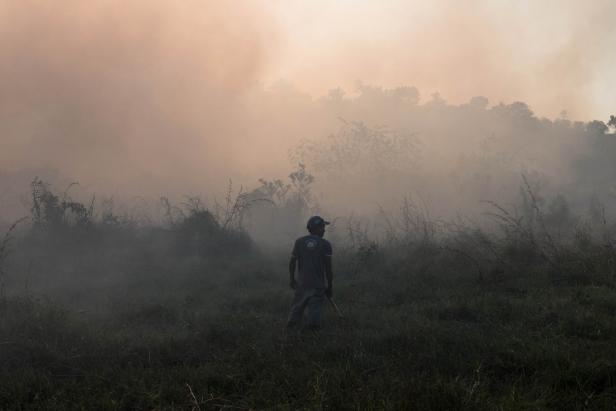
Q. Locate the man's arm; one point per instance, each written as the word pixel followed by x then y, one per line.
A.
pixel 292 264
pixel 329 274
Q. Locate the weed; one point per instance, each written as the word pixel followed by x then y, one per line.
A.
pixel 438 315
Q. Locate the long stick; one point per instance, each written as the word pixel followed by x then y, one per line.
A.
pixel 336 307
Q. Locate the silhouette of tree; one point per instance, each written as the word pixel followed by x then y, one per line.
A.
pixel 612 122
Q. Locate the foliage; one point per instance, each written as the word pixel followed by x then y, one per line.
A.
pixel 359 149
pixel 516 314
pixel 414 337
pixel 5 249
pixel 279 207
pixel 201 232
pixel 52 211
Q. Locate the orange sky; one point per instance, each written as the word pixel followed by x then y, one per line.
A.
pixel 554 55
pixel 142 91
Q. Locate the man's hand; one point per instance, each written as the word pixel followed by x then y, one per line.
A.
pixel 293 284
pixel 329 292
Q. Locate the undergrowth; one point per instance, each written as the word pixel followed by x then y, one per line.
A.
pixel 190 315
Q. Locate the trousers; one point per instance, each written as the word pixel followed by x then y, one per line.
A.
pixel 313 300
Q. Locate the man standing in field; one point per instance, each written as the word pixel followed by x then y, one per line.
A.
pixel 313 256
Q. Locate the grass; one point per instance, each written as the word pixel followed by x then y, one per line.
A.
pixel 125 318
pixel 444 345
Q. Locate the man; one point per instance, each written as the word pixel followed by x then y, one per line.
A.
pixel 313 256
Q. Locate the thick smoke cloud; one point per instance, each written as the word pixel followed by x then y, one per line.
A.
pixel 149 98
pixel 127 93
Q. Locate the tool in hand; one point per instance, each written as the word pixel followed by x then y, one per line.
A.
pixel 340 315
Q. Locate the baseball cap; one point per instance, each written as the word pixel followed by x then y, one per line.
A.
pixel 315 221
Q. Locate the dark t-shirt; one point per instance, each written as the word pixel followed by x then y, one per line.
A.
pixel 311 252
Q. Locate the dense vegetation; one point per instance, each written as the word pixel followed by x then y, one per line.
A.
pixel 99 311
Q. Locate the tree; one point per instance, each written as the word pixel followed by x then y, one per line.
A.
pixel 612 122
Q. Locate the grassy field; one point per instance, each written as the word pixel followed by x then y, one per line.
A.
pixel 410 340
pixel 118 317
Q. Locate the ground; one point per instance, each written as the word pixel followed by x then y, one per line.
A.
pixel 412 338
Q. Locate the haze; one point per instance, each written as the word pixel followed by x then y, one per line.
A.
pixel 156 97
pixel 162 160
pixel 553 55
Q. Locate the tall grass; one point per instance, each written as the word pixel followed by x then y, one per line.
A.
pixel 514 313
pixel 5 248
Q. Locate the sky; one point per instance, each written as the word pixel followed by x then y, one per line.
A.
pixel 554 55
pixel 166 94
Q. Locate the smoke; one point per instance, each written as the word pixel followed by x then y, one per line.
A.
pixel 114 92
pixel 554 55
pixel 574 70
pixel 156 97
